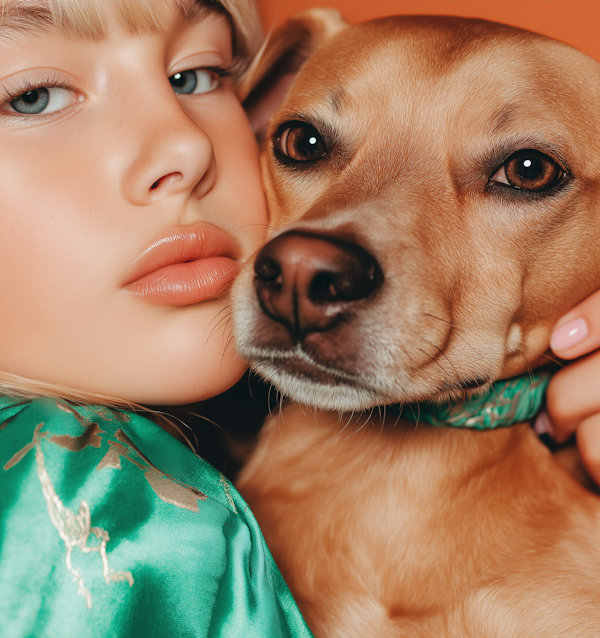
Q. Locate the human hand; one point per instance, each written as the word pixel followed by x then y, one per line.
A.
pixel 573 400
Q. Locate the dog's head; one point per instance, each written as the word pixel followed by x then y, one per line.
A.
pixel 436 182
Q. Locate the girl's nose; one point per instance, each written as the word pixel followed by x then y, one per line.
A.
pixel 173 155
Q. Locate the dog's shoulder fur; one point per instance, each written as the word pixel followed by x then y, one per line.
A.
pixel 396 531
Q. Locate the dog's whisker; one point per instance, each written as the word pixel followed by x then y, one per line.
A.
pixel 281 420
pixel 167 416
pixel 398 417
pixel 269 398
pixel 228 311
pixel 434 359
pixel 227 344
pixel 221 320
pixel 553 359
pixel 459 330
pixel 250 384
pixel 362 426
pixel 227 307
pixel 452 325
pixel 205 418
pixel 445 357
pixel 224 320
pixel 441 367
pixel 227 326
pixel 340 432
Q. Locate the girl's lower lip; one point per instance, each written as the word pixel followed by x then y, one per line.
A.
pixel 186 283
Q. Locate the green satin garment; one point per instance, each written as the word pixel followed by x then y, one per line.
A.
pixel 110 527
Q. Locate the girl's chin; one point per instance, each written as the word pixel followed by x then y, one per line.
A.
pixel 192 381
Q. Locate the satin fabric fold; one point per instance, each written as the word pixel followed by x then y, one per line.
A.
pixel 110 527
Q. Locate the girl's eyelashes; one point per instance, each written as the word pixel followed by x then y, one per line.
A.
pixel 30 99
pixel 198 81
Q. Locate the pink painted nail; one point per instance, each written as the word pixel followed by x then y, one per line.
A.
pixel 569 335
pixel 543 425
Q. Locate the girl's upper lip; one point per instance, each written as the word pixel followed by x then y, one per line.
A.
pixel 183 244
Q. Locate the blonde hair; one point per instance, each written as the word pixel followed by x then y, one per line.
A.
pixel 88 19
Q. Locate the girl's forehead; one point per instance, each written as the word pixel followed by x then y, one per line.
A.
pixel 91 19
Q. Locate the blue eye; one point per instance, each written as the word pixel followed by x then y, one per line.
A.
pixel 41 100
pixel 194 81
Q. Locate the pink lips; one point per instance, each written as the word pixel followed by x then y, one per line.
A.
pixel 186 266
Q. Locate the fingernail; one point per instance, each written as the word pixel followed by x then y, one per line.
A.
pixel 543 425
pixel 569 335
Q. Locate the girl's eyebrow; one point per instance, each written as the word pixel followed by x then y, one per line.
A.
pixel 89 19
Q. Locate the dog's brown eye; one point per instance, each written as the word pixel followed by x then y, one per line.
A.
pixel 302 143
pixel 530 171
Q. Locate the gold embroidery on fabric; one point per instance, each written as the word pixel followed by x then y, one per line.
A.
pixel 65 407
pixel 5 423
pixel 18 456
pixel 100 411
pixel 170 492
pixel 106 414
pixel 111 459
pixel 91 437
pixel 227 491
pixel 73 529
pixel 165 486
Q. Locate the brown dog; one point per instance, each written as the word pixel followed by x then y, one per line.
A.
pixel 440 182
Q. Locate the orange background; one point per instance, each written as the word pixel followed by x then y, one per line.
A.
pixel 576 22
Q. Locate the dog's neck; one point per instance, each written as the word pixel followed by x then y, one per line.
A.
pixel 505 403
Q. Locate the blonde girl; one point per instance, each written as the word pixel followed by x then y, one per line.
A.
pixel 129 194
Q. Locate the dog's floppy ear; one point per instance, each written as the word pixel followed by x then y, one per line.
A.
pixel 272 72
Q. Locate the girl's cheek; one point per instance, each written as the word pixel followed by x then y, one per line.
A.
pixel 237 156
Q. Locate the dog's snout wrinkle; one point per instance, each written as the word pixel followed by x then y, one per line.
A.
pixel 307 282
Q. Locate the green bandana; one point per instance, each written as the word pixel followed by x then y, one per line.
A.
pixel 507 402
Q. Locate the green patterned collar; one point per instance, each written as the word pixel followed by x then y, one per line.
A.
pixel 506 402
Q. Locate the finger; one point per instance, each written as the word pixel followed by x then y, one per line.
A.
pixel 578 332
pixel 588 441
pixel 574 395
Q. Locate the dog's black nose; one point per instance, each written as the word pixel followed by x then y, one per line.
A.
pixel 307 282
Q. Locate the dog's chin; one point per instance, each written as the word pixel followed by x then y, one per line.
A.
pixel 299 378
pixel 340 395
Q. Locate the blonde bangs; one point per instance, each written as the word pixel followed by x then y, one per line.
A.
pixel 90 18
pixel 79 18
pixel 247 29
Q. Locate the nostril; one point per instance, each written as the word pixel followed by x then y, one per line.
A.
pixel 323 289
pixel 169 177
pixel 354 275
pixel 267 269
